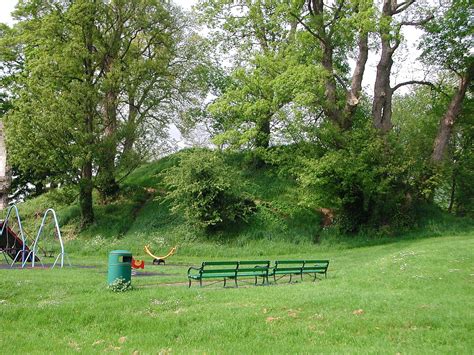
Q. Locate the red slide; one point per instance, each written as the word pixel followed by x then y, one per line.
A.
pixel 11 244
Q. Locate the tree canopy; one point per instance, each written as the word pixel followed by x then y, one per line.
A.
pixel 91 87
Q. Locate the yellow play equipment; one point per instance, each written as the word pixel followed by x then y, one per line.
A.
pixel 157 260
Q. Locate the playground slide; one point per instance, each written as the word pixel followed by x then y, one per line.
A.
pixel 11 244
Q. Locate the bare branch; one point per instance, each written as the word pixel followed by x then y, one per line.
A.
pixel 411 82
pixel 417 23
pixel 403 6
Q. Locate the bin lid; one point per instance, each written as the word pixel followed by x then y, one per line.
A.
pixel 121 252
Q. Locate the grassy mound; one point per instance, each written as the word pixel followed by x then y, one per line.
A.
pixel 141 215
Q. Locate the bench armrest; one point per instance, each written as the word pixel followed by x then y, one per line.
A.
pixel 194 268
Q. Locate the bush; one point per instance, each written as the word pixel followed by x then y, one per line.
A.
pixel 366 181
pixel 207 190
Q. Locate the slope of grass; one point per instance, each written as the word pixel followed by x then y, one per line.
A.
pixel 413 296
pixel 141 215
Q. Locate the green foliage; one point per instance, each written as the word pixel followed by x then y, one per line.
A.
pixel 94 86
pixel 462 162
pixel 207 190
pixel 365 180
pixel 448 42
pixel 120 285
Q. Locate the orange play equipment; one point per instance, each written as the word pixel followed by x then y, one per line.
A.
pixel 157 260
pixel 138 264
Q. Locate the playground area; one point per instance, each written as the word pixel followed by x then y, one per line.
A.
pixel 14 240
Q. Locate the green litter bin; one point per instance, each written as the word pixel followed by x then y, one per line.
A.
pixel 120 266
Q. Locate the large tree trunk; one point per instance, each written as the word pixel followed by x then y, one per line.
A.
pixel 130 127
pixel 341 116
pixel 382 104
pixel 109 186
pixel 390 40
pixel 85 182
pixel 107 175
pixel 353 95
pixel 449 118
pixel 85 194
pixel 331 109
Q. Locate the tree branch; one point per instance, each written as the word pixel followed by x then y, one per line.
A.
pixel 341 81
pixel 308 28
pixel 411 82
pixel 336 16
pixel 403 6
pixel 417 23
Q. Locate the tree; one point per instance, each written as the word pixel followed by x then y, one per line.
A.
pixel 447 45
pixel 207 190
pixel 83 66
pixel 261 33
pixel 389 28
pixel 336 28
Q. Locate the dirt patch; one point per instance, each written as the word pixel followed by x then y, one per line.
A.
pixel 46 266
pixel 148 273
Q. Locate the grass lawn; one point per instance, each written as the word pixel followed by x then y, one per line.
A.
pixel 413 296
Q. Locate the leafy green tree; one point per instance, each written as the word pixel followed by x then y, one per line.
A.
pixel 337 29
pixel 88 79
pixel 259 87
pixel 447 45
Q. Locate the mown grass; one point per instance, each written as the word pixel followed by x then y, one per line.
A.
pixel 413 296
pixel 407 292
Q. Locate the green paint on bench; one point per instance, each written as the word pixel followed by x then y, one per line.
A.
pixel 299 267
pixel 230 270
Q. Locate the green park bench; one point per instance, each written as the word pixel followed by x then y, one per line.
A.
pixel 299 267
pixel 230 270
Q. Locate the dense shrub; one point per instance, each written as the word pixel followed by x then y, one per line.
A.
pixel 207 190
pixel 366 180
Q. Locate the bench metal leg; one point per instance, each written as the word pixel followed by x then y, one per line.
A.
pixel 290 278
pixel 301 276
pixel 274 278
pixel 225 280
pixel 236 285
pixel 189 283
pixel 200 282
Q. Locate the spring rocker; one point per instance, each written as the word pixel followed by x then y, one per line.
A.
pixel 157 260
